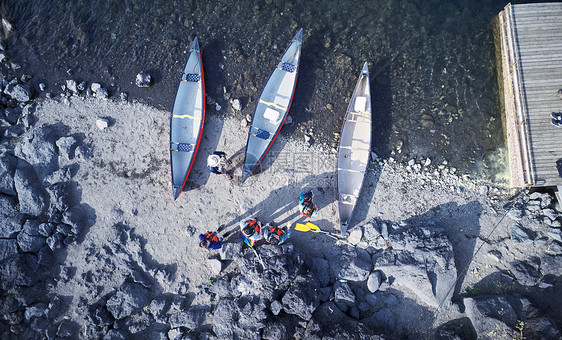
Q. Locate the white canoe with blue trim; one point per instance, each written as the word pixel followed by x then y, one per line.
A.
pixel 272 107
pixel 188 117
pixel 354 149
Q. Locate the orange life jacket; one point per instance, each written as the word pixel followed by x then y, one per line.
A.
pixel 255 225
pixel 211 236
pixel 275 230
pixel 308 209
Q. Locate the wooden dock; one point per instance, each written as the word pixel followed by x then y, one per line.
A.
pixel 531 48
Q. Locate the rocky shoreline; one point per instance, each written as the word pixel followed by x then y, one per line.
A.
pixel 88 237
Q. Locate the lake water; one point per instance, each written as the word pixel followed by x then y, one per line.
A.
pixel 432 63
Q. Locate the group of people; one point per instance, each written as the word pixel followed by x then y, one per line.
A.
pixel 253 230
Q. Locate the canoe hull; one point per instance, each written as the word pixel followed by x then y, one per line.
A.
pixel 272 107
pixel 187 119
pixel 354 149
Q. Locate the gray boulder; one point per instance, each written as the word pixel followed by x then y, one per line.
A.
pixel 352 264
pixel 382 319
pixel 521 234
pixel 143 79
pixel 12 114
pixel 39 151
pixel 421 259
pixel 374 281
pixel 129 299
pixel 30 243
pixel 74 217
pixel 343 296
pixel 66 146
pixel 191 318
pixel 8 249
pixel 17 273
pixel 321 270
pixel 528 271
pixel 301 298
pixel 33 198
pixel 491 315
pixel 229 250
pixel 19 92
pixel 8 164
pixel 11 219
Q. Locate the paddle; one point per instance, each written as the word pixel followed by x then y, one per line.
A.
pixel 250 243
pixel 315 229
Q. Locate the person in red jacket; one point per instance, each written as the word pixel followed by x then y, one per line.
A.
pixel 210 240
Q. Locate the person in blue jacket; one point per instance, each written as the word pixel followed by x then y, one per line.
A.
pixel 210 241
pixel 276 235
pixel 306 207
pixel 216 162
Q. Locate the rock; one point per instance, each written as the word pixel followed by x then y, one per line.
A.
pixel 8 27
pixel 10 217
pixel 276 307
pixel 528 271
pixel 421 259
pixel 288 120
pixel 383 318
pixel 301 298
pixel 217 107
pixel 352 265
pixel 3 57
pixel 522 234
pixel 72 86
pixel 83 151
pixel 230 251
pixel 549 213
pixel 14 131
pixel 236 104
pixel 46 257
pixel 102 123
pixel 68 329
pixel 244 123
pixel 94 87
pixel 329 106
pixel 55 241
pixel 19 92
pixel 66 146
pixel 143 79
pixel 515 214
pixel 215 266
pixel 124 97
pixel 42 87
pixel 8 164
pixel 33 199
pixel 343 296
pixel 39 151
pixel 30 243
pixel 491 315
pixel 8 249
pixel 17 273
pixel 321 271
pixel 12 114
pixel 384 230
pixel 191 318
pixel 129 299
pixel 374 281
pixel 102 93
pixel 355 236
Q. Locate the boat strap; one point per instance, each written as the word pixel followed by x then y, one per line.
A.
pixel 263 134
pixel 185 116
pixel 273 104
pixel 191 77
pixel 283 66
pixel 181 147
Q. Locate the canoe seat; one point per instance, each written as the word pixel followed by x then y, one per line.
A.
pixel 181 147
pixel 271 115
pixel 360 104
pixel 283 102
pixel 192 77
pixel 347 199
pixel 287 67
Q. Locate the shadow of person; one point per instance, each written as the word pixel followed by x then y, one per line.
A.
pixel 462 227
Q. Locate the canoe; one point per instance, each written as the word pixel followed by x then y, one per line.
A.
pixel 187 119
pixel 272 107
pixel 354 149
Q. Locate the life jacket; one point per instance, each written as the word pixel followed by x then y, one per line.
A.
pixel 276 231
pixel 308 209
pixel 211 236
pixel 254 224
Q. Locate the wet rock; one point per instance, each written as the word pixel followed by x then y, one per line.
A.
pixel 143 79
pixel 129 299
pixel 8 164
pixel 19 92
pixel 66 146
pixel 33 199
pixel 230 251
pixel 521 234
pixel 236 105
pixel 421 259
pixel 491 315
pixel 374 281
pixel 191 318
pixel 288 120
pixel 8 249
pixel 301 298
pixel 72 86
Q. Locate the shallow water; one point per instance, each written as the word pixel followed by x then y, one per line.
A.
pixel 432 63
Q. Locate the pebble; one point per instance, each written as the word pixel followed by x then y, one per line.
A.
pixel 218 107
pixel 95 86
pixel 330 106
pixel 288 120
pixel 236 105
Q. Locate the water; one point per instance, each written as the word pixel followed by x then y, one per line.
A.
pixel 432 63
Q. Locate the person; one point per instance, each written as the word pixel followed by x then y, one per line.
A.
pixel 252 231
pixel 216 162
pixel 276 235
pixel 210 240
pixel 306 207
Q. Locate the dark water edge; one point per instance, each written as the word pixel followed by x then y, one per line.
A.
pixel 434 81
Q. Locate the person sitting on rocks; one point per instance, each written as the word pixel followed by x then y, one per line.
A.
pixel 216 162
pixel 306 207
pixel 251 231
pixel 276 235
pixel 210 241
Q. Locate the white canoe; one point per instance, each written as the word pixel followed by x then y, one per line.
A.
pixel 272 107
pixel 354 149
pixel 188 117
